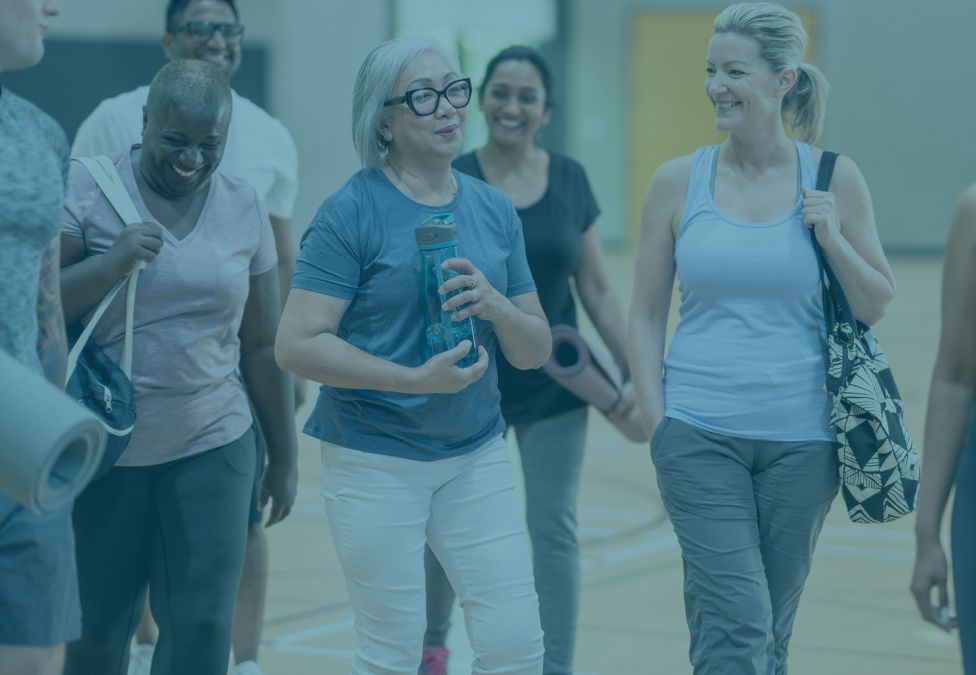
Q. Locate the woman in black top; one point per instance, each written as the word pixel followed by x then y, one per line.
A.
pixel 557 209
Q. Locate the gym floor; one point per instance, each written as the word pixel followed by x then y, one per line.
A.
pixel 856 616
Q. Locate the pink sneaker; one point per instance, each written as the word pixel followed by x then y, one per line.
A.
pixel 433 661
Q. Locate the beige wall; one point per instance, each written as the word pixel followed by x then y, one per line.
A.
pixel 901 104
pixel 315 47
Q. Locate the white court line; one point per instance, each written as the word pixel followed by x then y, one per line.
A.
pixel 645 549
pixel 633 515
pixel 314 632
pixel 586 532
pixel 664 542
pixel 316 651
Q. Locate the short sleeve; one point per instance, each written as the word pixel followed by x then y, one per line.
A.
pixel 266 256
pixel 79 198
pixel 520 279
pixel 329 259
pixel 588 207
pixel 281 197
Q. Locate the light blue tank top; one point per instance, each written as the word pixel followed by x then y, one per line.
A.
pixel 747 359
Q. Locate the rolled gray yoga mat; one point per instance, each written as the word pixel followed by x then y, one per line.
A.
pixel 49 445
pixel 592 376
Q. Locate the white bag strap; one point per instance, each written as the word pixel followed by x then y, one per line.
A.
pixel 110 183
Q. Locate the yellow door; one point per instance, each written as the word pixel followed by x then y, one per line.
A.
pixel 670 115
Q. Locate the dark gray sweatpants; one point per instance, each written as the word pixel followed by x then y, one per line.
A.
pixel 747 514
pixel 179 527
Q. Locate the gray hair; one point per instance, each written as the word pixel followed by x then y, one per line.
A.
pixel 191 83
pixel 782 43
pixel 374 85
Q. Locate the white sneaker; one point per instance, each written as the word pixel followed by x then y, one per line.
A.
pixel 247 668
pixel 140 659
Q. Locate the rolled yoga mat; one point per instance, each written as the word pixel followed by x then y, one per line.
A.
pixel 49 445
pixel 592 376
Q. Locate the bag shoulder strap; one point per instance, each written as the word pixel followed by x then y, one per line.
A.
pixel 836 305
pixel 826 170
pixel 110 183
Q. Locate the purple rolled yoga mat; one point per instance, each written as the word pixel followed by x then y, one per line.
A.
pixel 592 376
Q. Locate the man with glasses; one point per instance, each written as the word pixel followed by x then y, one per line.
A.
pixel 259 150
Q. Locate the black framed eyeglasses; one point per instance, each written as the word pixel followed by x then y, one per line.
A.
pixel 424 101
pixel 202 31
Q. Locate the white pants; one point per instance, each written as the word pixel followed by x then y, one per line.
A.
pixel 383 510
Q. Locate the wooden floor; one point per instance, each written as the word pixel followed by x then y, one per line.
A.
pixel 856 616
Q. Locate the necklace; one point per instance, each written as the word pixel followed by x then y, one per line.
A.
pixel 405 188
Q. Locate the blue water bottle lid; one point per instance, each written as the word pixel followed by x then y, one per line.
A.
pixel 437 232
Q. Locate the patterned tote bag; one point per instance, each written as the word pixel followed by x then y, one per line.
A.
pixel 879 464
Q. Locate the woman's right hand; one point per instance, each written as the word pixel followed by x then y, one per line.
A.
pixel 138 243
pixel 441 375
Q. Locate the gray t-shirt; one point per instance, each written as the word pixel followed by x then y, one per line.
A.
pixel 188 308
pixel 33 166
pixel 361 247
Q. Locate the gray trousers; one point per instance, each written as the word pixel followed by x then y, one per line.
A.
pixel 179 527
pixel 747 514
pixel 964 550
pixel 552 458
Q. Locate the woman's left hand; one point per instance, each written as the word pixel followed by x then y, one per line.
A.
pixel 820 215
pixel 477 295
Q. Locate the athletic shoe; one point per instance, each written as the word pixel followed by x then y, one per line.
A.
pixel 247 668
pixel 433 661
pixel 140 659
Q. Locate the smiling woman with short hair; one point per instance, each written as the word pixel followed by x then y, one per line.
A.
pixel 173 512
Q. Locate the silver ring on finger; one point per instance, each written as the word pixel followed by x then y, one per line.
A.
pixel 474 296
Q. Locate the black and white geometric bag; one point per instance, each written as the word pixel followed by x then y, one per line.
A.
pixel 879 464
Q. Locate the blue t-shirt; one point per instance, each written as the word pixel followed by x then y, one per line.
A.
pixel 361 247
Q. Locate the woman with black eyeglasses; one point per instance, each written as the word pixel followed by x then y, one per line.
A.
pixel 412 447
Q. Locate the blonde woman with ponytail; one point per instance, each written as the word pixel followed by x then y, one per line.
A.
pixel 741 441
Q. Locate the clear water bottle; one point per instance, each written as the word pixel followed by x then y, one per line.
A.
pixel 437 240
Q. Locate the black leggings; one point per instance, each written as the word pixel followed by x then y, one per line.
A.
pixel 179 527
